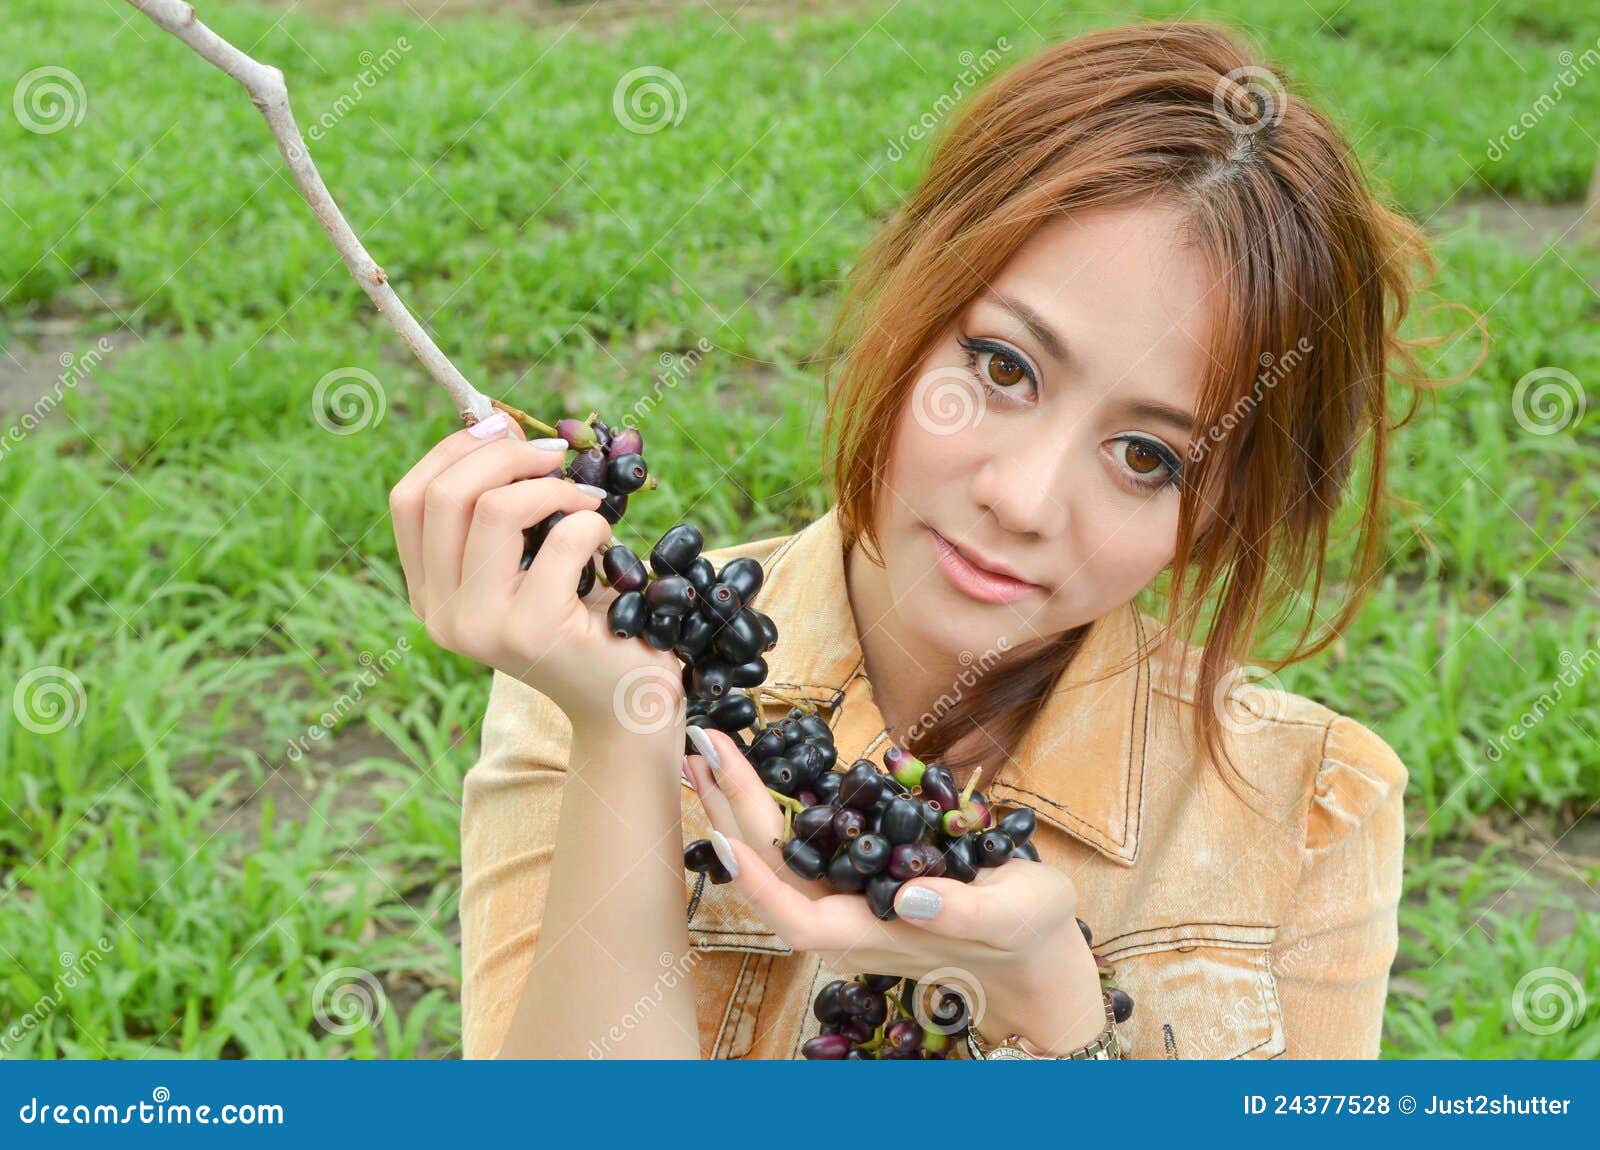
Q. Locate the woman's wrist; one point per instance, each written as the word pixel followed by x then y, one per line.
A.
pixel 1055 1002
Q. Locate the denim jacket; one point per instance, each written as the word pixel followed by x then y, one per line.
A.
pixel 1239 933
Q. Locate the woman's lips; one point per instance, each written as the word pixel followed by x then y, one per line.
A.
pixel 969 579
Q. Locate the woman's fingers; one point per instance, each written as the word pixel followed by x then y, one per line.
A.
pixel 1009 907
pixel 492 553
pixel 553 576
pixel 451 497
pixel 758 814
pixel 836 923
pixel 406 497
pixel 721 815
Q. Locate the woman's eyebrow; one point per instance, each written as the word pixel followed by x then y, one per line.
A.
pixel 1038 327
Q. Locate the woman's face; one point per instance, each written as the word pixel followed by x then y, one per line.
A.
pixel 1044 434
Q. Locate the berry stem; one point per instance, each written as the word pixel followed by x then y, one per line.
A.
pixel 972 785
pixel 524 418
pixel 792 700
pixel 789 804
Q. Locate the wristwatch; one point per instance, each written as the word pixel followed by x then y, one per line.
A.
pixel 1014 1046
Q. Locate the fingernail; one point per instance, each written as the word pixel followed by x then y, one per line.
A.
pixel 687 777
pixel 590 489
pixel 702 743
pixel 491 427
pixel 549 444
pixel 719 843
pixel 919 902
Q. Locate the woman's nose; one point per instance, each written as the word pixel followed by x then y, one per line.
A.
pixel 1027 487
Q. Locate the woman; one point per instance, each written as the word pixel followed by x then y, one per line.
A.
pixel 1127 334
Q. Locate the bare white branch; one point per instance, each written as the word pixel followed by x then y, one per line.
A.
pixel 269 93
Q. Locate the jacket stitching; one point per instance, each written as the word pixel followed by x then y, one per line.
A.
pixel 1193 922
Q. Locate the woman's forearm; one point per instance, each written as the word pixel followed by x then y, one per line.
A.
pixel 599 985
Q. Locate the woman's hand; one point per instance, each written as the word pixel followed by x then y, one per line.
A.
pixel 1009 939
pixel 459 515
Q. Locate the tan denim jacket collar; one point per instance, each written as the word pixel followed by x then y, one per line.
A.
pixel 1101 716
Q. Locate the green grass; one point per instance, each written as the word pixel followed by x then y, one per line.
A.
pixel 217 570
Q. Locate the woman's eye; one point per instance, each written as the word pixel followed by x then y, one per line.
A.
pixel 1150 465
pixel 998 368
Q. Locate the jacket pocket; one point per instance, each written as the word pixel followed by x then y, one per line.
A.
pixel 1200 991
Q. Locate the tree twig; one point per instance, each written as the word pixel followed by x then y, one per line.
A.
pixel 270 94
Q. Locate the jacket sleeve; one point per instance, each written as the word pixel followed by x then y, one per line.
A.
pixel 511 803
pixel 1333 952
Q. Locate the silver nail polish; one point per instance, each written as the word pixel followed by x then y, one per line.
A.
pixel 549 444
pixel 591 489
pixel 919 902
pixel 719 843
pixel 702 743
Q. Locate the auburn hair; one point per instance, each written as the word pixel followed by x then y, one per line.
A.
pixel 1316 276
